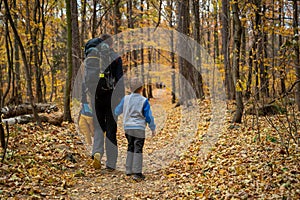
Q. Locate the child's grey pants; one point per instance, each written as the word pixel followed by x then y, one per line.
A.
pixel 134 160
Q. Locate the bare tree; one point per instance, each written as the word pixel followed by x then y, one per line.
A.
pixel 216 34
pixel 8 45
pixel 296 49
pixel 76 50
pixel 184 66
pixel 149 89
pixel 197 36
pixel 94 19
pixel 263 68
pixel 67 92
pixel 236 63
pixel 16 76
pixel 225 49
pixel 83 31
pixel 280 42
pixel 117 16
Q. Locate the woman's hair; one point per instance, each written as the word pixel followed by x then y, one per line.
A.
pixel 107 39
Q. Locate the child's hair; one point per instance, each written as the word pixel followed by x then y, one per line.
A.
pixel 136 84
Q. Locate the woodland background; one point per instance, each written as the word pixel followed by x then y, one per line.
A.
pixel 254 44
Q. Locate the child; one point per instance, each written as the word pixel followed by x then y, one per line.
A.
pixel 136 114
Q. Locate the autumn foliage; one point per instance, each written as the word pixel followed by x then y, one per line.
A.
pixel 253 45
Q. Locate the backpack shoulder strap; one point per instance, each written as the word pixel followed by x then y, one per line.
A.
pixel 89 50
pixel 92 43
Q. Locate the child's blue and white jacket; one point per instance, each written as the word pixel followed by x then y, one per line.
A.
pixel 136 112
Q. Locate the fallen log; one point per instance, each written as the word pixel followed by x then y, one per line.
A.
pixel 24 109
pixel 55 118
pixel 269 109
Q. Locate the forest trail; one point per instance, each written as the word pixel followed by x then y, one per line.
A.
pixel 54 164
pixel 102 184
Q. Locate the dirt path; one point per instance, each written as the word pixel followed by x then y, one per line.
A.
pixel 101 184
pixel 175 129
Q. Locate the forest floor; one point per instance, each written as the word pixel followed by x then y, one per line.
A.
pixel 244 162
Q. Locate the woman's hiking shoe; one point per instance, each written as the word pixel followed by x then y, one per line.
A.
pixel 138 177
pixel 97 161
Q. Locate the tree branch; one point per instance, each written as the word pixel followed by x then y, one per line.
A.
pixel 159 15
pixel 286 93
pixel 6 143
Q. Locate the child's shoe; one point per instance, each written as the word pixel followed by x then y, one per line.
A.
pixel 128 172
pixel 110 169
pixel 138 177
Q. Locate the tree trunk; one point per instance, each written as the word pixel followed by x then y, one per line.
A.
pixel 149 57
pixel 264 80
pixel 9 62
pixel 236 63
pixel 94 19
pixel 67 92
pixel 83 31
pixel 2 136
pixel 130 24
pixel 1 86
pixel 29 47
pixel 273 52
pixel 297 51
pixel 76 50
pixel 243 49
pixel 184 49
pixel 252 56
pixel 129 14
pixel 17 78
pixel 117 16
pixel 172 53
pixel 280 42
pixel 41 52
pixel 208 28
pixel 225 50
pixel 216 35
pixel 258 51
pixel 34 40
pixel 197 75
pixel 145 94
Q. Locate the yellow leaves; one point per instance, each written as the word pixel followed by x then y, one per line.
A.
pixel 33 171
pixel 240 85
pixel 171 175
pixel 222 172
pixel 38 161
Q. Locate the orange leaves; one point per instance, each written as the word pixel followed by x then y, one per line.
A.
pixel 53 164
pixel 36 163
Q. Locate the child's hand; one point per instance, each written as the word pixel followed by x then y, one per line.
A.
pixel 153 133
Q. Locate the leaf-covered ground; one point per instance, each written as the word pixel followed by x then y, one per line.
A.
pixel 53 164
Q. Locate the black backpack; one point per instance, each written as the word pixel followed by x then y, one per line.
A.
pixel 97 69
